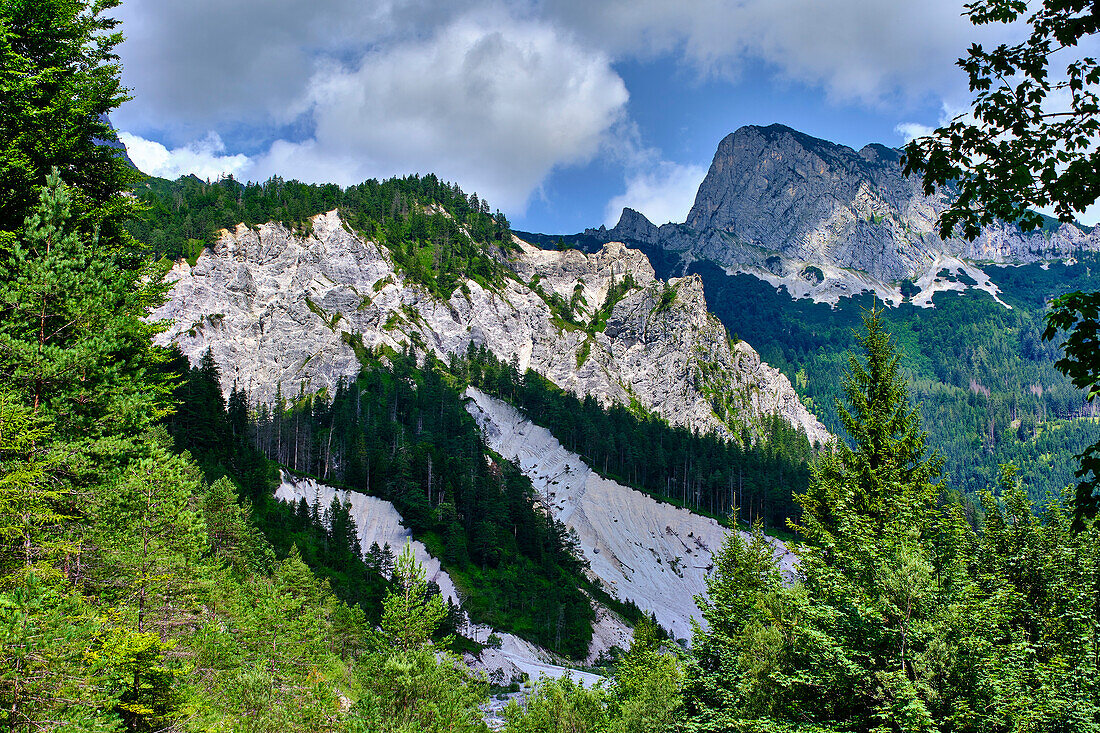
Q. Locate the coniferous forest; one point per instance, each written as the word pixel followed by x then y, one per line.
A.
pixel 150 582
pixel 985 380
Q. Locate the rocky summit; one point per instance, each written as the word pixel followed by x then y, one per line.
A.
pixel 284 310
pixel 825 221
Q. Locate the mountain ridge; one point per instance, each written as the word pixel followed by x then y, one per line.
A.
pixel 827 221
pixel 282 311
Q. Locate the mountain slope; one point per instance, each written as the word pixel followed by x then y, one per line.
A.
pixel 649 552
pixel 828 221
pixel 282 310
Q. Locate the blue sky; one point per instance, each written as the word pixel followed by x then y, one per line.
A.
pixel 560 112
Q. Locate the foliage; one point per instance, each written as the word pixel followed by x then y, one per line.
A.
pixel 1029 140
pixel 887 454
pixel 31 509
pixel 420 691
pixel 562 706
pixel 66 302
pixel 903 616
pixel 986 385
pixel 402 432
pixel 133 594
pixel 647 684
pixel 58 81
pixel 1079 314
pixel 219 436
pixel 438 235
pixel 644 696
pixel 701 472
pixel 410 615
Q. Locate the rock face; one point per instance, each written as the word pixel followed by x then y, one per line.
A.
pixel 654 554
pixel 826 220
pixel 280 310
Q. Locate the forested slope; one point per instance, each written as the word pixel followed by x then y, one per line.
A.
pixel 982 376
pixel 984 379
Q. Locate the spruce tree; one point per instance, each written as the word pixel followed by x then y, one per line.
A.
pixel 858 643
pixel 886 456
pixel 74 344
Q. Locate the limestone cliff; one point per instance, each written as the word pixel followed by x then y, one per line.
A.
pixel 825 220
pixel 285 310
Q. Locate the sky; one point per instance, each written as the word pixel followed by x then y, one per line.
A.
pixel 559 112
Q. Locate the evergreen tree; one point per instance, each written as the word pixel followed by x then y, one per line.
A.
pixel 152 535
pixel 887 456
pixel 30 508
pixel 410 614
pixel 59 79
pixel 73 342
pixel 413 684
pixel 647 684
pixel 857 644
pixel 231 534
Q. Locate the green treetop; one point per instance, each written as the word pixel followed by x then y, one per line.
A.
pixel 887 453
pixel 59 79
pixel 73 342
pixel 410 615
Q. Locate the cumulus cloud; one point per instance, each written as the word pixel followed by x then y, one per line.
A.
pixel 663 194
pixel 203 63
pixel 203 158
pixel 495 104
pixel 492 93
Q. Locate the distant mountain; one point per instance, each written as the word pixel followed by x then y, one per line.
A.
pixel 115 143
pixel 826 221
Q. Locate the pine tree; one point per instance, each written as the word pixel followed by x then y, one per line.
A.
pixel 73 342
pixel 410 615
pixel 152 535
pixel 230 532
pixel 31 506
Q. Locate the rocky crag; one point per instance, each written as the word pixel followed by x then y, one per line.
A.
pixel 286 311
pixel 826 221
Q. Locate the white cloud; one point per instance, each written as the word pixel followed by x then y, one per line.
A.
pixel 491 102
pixel 202 158
pixel 857 50
pixel 494 94
pixel 663 194
pixel 200 64
pixel 912 130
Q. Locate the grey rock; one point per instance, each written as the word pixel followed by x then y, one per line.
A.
pixel 279 310
pixel 776 202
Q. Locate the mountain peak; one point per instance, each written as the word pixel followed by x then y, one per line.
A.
pixel 634 226
pixel 777 201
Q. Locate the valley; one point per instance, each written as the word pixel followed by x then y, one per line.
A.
pixel 354 454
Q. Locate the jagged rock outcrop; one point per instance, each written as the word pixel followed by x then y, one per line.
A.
pixel 826 220
pixel 281 310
